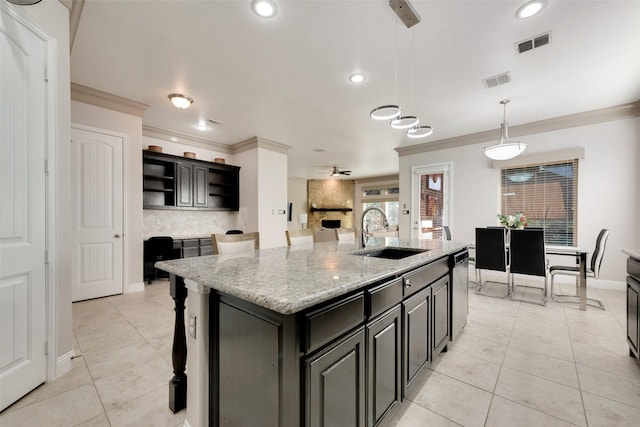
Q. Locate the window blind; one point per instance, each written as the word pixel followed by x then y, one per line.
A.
pixel 547 193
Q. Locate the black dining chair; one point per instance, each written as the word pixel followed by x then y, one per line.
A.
pixel 491 254
pixel 527 254
pixel 446 232
pixel 592 271
pixel 156 249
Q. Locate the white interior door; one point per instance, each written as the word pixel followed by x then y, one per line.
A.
pixel 97 262
pixel 430 200
pixel 22 210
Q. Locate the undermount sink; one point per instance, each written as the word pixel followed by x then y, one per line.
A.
pixel 390 252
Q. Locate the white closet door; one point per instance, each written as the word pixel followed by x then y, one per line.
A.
pixel 22 210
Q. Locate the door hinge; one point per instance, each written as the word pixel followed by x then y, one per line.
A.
pixel 46 75
pixel 46 256
pixel 46 348
pixel 46 166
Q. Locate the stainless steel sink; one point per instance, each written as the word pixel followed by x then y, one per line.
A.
pixel 390 252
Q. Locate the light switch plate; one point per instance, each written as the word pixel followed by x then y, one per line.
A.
pixel 192 325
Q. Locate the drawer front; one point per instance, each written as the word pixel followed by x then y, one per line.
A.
pixel 177 243
pixel 385 296
pixel 206 241
pixel 190 243
pixel 418 279
pixel 190 252
pixel 633 268
pixel 330 322
pixel 206 250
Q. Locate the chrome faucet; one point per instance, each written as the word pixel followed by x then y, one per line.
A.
pixel 365 231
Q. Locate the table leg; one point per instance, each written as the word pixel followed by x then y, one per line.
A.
pixel 178 384
pixel 583 281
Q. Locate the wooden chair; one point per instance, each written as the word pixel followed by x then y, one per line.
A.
pixel 235 243
pixel 345 235
pixel 592 271
pixel 328 235
pixel 527 256
pixel 300 237
pixel 491 254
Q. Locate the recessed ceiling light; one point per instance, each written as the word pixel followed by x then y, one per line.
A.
pixel 202 125
pixel 264 8
pixel 181 101
pixel 356 78
pixel 530 8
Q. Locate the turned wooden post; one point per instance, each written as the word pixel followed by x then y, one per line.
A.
pixel 178 384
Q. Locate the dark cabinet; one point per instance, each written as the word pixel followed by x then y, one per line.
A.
pixel 335 384
pixel 416 313
pixel 384 354
pixel 440 297
pixel 172 182
pixel 633 307
pixel 192 185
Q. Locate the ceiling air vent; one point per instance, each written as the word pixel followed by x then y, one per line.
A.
pixel 498 80
pixel 532 43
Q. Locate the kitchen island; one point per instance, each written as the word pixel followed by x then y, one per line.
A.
pixel 308 337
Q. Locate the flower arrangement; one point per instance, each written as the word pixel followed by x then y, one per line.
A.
pixel 517 220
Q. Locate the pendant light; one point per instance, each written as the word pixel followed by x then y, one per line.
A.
pixel 390 111
pixel 419 132
pixel 504 149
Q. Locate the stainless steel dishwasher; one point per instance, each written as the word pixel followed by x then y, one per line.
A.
pixel 459 264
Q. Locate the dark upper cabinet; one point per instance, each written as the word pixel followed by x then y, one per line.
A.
pixel 173 182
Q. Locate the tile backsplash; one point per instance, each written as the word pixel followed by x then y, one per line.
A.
pixel 183 224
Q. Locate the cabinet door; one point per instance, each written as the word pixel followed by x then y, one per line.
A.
pixel 336 385
pixel 200 186
pixel 184 184
pixel 417 327
pixel 384 371
pixel 440 297
pixel 633 308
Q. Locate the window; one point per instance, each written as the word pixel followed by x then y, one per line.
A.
pixel 384 197
pixel 547 193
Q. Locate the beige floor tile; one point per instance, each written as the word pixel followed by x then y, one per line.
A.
pixel 505 413
pixel 99 421
pixel 65 409
pixel 110 342
pixel 542 366
pixel 138 314
pixel 604 412
pixel 468 369
pixel 76 377
pixel 480 348
pixel 616 361
pixel 553 399
pixel 151 409
pixel 498 333
pixel 457 401
pixel 132 383
pixel 554 346
pixel 114 362
pixel 621 388
pixel 412 415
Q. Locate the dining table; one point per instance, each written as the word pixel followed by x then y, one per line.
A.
pixel 580 256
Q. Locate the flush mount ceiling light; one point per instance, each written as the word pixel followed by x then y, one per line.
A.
pixel 530 9
pixel 180 101
pixel 264 8
pixel 405 122
pixel 24 2
pixel 504 149
pixel 356 78
pixel 419 132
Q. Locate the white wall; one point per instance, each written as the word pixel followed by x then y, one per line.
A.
pixel 608 186
pixel 272 198
pixel 297 195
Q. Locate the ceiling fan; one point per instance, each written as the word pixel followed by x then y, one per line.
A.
pixel 337 172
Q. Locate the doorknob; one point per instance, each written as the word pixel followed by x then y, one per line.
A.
pixel 117 236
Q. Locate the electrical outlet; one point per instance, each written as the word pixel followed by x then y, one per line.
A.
pixel 192 325
pixel 281 212
pixel 405 211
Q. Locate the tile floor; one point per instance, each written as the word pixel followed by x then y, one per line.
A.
pixel 514 364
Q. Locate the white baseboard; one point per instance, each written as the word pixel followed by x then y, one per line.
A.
pixel 63 363
pixel 134 287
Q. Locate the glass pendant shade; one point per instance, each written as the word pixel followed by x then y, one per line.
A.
pixel 419 132
pixel 404 122
pixel 504 149
pixel 385 112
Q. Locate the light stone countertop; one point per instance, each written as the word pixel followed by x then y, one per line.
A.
pixel 633 253
pixel 289 280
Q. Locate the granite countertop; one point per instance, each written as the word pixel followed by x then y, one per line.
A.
pixel 633 253
pixel 289 280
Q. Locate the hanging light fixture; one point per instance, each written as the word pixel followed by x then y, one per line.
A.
pixel 419 132
pixel 385 112
pixel 180 101
pixel 504 149
pixel 405 122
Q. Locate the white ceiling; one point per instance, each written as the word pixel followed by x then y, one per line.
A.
pixel 285 78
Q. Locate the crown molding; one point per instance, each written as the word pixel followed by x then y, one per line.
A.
pixel 385 178
pixel 547 125
pixel 257 142
pixel 102 99
pixel 183 138
pixel 69 3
